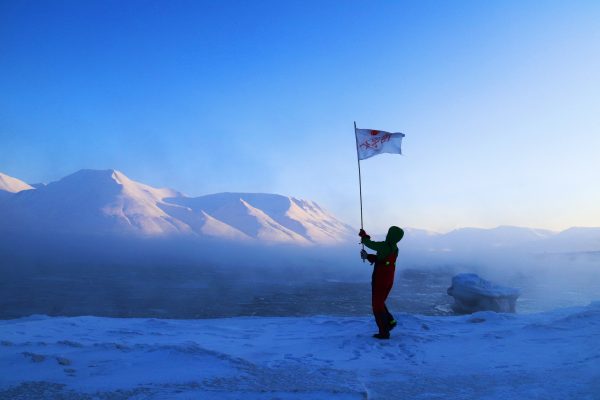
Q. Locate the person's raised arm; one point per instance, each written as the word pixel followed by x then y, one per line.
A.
pixel 366 240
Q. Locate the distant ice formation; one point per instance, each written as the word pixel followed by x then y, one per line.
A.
pixel 472 293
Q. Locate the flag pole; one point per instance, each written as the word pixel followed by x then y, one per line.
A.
pixel 359 178
pixel 359 184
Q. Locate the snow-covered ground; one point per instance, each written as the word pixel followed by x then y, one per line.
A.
pixel 553 355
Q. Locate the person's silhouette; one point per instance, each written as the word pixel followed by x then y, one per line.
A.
pixel 383 276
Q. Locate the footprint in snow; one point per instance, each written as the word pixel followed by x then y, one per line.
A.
pixel 356 355
pixel 125 332
pixel 36 358
pixel 69 343
pixel 63 361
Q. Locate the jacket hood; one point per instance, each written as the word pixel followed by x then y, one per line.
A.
pixel 394 235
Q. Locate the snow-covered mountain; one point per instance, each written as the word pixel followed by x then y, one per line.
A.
pixel 576 239
pixel 503 238
pixel 495 238
pixel 12 185
pixel 88 201
pixel 108 202
pixel 270 217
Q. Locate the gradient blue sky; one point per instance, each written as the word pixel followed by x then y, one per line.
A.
pixel 499 101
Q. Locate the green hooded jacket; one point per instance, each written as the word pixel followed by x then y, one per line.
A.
pixel 388 246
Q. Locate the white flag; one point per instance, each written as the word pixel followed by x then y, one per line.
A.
pixel 370 143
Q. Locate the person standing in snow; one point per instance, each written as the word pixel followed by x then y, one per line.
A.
pixel 382 279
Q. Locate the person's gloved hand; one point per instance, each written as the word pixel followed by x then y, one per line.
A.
pixel 371 258
pixel 362 233
pixel 363 254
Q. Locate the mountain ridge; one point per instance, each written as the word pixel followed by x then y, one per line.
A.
pixel 109 202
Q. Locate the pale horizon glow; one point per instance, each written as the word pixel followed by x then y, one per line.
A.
pixel 498 101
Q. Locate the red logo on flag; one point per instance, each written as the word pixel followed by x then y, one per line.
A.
pixel 374 143
pixel 374 133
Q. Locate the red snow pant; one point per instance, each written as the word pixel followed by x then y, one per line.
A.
pixel 381 284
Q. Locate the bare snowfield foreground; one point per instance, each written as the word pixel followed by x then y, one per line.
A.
pixel 552 355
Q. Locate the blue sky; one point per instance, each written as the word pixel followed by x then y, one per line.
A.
pixel 499 102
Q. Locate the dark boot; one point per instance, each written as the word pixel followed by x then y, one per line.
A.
pixel 382 335
pixel 383 324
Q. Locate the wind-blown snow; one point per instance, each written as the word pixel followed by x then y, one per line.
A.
pixel 553 355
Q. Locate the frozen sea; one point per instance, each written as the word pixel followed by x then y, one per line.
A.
pixel 184 292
